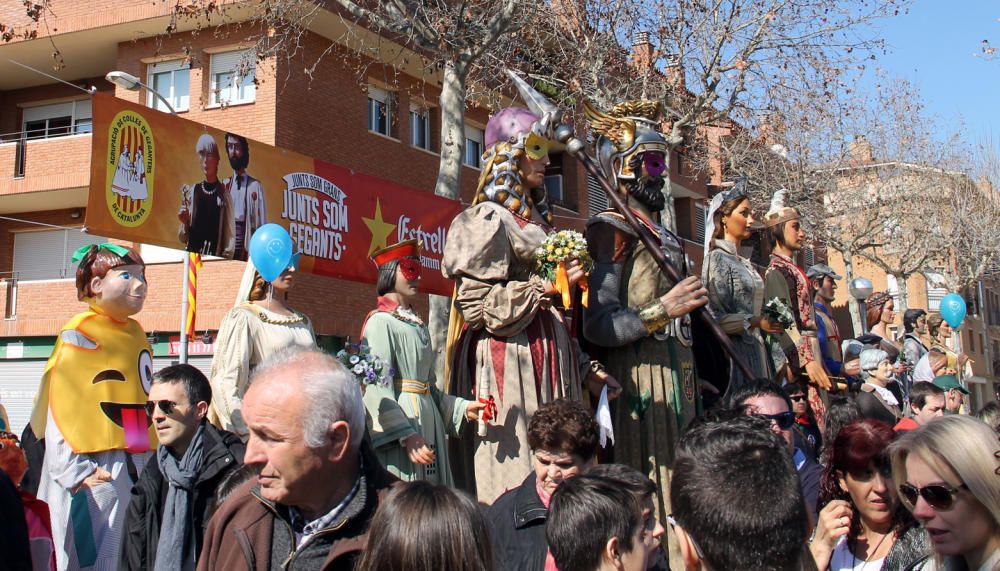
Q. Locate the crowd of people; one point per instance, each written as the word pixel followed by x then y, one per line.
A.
pixel 552 443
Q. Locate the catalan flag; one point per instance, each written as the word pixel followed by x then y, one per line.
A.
pixel 192 292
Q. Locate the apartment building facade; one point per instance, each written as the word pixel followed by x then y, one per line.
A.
pixel 383 122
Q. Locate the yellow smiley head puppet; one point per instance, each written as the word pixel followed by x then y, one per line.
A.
pixel 97 380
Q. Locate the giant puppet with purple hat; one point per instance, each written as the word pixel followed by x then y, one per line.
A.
pixel 90 409
pixel 508 342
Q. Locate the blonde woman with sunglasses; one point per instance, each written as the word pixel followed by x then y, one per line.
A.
pixel 948 474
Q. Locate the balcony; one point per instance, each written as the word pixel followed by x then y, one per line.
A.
pixel 44 174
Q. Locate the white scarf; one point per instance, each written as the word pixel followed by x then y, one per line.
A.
pixel 886 394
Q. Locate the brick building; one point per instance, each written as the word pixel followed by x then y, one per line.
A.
pixel 335 116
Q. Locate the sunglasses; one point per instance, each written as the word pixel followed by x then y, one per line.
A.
pixel 784 420
pixel 166 406
pixel 939 497
pixel 797 398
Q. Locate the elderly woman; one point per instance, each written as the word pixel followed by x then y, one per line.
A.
pixel 862 525
pixel 875 399
pixel 205 205
pixel 948 475
pixel 563 440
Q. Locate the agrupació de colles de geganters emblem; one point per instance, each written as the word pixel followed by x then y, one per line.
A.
pixel 130 165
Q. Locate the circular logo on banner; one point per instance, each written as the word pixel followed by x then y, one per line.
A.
pixel 130 165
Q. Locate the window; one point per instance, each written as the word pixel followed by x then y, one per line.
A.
pixel 554 188
pixel 474 138
pixel 232 78
pixel 420 127
pixel 44 255
pixel 57 119
pixel 936 289
pixel 171 79
pixel 380 109
pixel 597 201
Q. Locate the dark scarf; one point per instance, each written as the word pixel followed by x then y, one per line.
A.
pixel 176 546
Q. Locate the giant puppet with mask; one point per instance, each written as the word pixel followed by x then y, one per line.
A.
pixel 90 409
pixel 636 313
pixel 509 343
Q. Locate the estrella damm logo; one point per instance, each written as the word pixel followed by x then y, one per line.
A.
pixel 130 166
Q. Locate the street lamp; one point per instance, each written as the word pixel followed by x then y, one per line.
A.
pixel 130 82
pixel 861 289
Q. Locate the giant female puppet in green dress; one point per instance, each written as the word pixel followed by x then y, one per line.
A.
pixel 411 416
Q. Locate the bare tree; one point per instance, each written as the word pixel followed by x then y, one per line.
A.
pixel 28 26
pixel 708 61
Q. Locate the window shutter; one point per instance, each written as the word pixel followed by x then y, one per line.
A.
pixel 227 61
pixel 44 255
pixel 597 201
pixel 699 223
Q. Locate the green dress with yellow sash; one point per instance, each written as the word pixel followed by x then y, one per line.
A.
pixel 412 403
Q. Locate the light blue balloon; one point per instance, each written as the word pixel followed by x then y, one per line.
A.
pixel 270 251
pixel 953 309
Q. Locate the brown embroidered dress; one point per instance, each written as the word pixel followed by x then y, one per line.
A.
pixel 788 282
pixel 514 345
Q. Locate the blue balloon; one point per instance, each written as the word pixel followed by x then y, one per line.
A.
pixel 953 309
pixel 270 251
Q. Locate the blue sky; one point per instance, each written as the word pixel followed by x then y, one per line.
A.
pixel 936 45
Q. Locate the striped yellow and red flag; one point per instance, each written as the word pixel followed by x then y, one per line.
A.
pixel 192 292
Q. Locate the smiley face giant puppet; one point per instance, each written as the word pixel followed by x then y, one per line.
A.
pixel 90 409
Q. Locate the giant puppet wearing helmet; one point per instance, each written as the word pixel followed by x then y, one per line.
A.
pixel 91 409
pixel 508 344
pixel 636 313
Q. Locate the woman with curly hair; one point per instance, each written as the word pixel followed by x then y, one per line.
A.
pixel 863 526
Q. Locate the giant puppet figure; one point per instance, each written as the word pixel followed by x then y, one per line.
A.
pixel 635 311
pixel 410 416
pixel 508 344
pixel 91 409
pixel 786 280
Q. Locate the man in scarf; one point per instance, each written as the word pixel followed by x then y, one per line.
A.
pixel 175 496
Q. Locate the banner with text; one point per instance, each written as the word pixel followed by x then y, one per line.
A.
pixel 160 179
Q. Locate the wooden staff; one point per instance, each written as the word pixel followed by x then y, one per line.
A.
pixel 564 133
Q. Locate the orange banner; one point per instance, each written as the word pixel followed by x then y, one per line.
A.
pixel 160 179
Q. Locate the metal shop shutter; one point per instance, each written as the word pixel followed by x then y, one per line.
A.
pixel 19 380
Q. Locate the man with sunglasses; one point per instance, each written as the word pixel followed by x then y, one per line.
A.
pixel 174 497
pixel 766 400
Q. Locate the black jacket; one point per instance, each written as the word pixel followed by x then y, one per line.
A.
pixel 223 454
pixel 517 529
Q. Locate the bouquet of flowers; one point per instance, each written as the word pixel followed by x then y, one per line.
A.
pixel 777 311
pixel 367 368
pixel 551 258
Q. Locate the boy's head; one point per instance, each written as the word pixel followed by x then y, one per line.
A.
pixel 596 524
pixel 736 498
pixel 644 491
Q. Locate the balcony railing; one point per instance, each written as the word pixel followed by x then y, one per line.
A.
pixel 42 164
